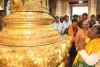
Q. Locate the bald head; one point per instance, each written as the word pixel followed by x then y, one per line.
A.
pixel 85 22
pixel 85 25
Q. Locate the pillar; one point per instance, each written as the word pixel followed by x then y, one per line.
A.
pixel 92 7
pixel 58 7
pixel 98 7
pixel 64 8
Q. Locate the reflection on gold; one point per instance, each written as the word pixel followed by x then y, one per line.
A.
pixel 28 39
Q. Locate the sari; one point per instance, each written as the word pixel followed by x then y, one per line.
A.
pixel 92 47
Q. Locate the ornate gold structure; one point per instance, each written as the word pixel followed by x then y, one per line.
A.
pixel 28 39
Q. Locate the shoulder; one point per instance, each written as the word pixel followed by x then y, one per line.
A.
pixel 54 23
pixel 80 21
pixel 80 31
pixel 66 31
pixel 63 22
pixel 97 22
pixel 97 54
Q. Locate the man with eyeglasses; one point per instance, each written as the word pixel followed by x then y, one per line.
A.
pixel 82 33
pixel 84 17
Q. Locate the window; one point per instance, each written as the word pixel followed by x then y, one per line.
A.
pixel 79 10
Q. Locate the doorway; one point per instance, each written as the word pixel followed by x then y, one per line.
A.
pixel 79 10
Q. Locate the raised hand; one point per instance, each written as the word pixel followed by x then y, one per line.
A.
pixel 82 44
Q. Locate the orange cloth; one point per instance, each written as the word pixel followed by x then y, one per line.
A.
pixel 71 32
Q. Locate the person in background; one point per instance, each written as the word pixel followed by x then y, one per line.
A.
pixel 57 24
pixel 84 17
pixel 98 19
pixel 80 17
pixel 53 19
pixel 82 33
pixel 66 22
pixel 76 17
pixel 61 19
pixel 72 30
pixel 92 21
pixel 89 54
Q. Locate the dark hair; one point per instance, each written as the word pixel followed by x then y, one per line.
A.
pixel 98 16
pixel 98 29
pixel 61 17
pixel 57 17
pixel 92 16
pixel 66 16
pixel 75 20
pixel 75 15
pixel 85 14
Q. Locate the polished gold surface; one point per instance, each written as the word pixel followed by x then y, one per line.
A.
pixel 28 39
pixel 29 5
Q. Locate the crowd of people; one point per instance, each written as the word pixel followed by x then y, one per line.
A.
pixel 85 34
pixel 63 22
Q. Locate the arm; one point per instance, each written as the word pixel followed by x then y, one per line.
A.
pixel 77 38
pixel 89 59
pixel 66 31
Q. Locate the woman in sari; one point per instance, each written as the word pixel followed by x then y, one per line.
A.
pixel 89 54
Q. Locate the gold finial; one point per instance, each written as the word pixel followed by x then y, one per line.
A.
pixel 29 5
pixel 26 21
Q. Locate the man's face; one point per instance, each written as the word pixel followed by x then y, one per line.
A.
pixel 84 17
pixel 85 25
pixel 61 19
pixel 74 24
pixel 57 19
pixel 92 18
pixel 66 18
pixel 76 18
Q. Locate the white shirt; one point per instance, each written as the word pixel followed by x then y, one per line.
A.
pixel 97 23
pixel 58 26
pixel 92 59
pixel 66 25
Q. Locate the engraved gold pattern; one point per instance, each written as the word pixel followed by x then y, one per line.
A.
pixel 28 39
